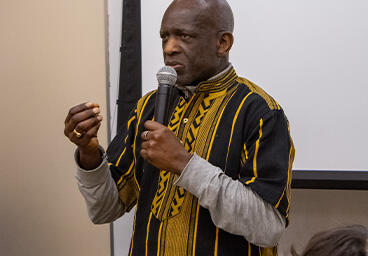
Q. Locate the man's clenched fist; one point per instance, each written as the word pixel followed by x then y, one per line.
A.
pixel 81 127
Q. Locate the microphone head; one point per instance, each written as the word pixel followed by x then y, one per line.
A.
pixel 167 75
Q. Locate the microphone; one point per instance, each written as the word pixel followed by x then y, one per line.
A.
pixel 166 78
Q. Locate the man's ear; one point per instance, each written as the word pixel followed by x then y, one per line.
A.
pixel 225 41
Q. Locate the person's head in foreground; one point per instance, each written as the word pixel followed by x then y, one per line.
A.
pixel 343 241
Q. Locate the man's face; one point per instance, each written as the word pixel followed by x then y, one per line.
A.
pixel 189 45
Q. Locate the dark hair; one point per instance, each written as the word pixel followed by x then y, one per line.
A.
pixel 344 241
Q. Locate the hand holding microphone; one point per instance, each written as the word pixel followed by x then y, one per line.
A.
pixel 160 146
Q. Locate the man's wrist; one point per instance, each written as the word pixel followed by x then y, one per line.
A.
pixel 184 162
pixel 89 158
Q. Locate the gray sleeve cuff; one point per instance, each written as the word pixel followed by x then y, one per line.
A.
pixel 196 175
pixel 99 191
pixel 91 178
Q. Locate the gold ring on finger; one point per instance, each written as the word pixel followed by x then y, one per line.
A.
pixel 78 134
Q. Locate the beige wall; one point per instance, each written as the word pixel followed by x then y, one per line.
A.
pixel 52 56
pixel 317 210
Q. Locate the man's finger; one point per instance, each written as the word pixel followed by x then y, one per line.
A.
pixel 80 108
pixel 80 117
pixel 144 145
pixel 91 133
pixel 86 137
pixel 152 125
pixel 144 154
pixel 145 135
pixel 87 124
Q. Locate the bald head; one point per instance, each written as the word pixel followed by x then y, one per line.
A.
pixel 216 14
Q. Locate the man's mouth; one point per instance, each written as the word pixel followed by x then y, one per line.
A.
pixel 175 65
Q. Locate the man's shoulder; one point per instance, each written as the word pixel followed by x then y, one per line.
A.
pixel 147 96
pixel 261 95
pixel 146 100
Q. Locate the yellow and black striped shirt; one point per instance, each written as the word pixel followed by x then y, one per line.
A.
pixel 234 125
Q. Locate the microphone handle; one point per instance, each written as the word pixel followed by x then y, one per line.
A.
pixel 161 114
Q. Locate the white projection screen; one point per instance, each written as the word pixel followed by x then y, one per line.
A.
pixel 311 56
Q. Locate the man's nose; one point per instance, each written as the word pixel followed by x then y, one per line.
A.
pixel 171 46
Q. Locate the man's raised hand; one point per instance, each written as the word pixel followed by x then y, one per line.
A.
pixel 81 127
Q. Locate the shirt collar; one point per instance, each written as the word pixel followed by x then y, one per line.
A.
pixel 219 82
pixel 216 83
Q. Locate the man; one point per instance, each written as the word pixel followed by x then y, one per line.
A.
pixel 216 181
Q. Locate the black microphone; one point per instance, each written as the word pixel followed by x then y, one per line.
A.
pixel 166 78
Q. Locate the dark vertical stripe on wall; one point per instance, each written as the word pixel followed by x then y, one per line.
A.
pixel 130 82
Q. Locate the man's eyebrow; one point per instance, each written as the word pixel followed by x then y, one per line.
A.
pixel 178 31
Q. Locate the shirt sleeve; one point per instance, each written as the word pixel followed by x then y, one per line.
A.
pixel 267 158
pixel 100 193
pixel 233 207
pixel 112 188
pixel 122 159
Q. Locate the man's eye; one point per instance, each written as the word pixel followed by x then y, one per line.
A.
pixel 185 36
